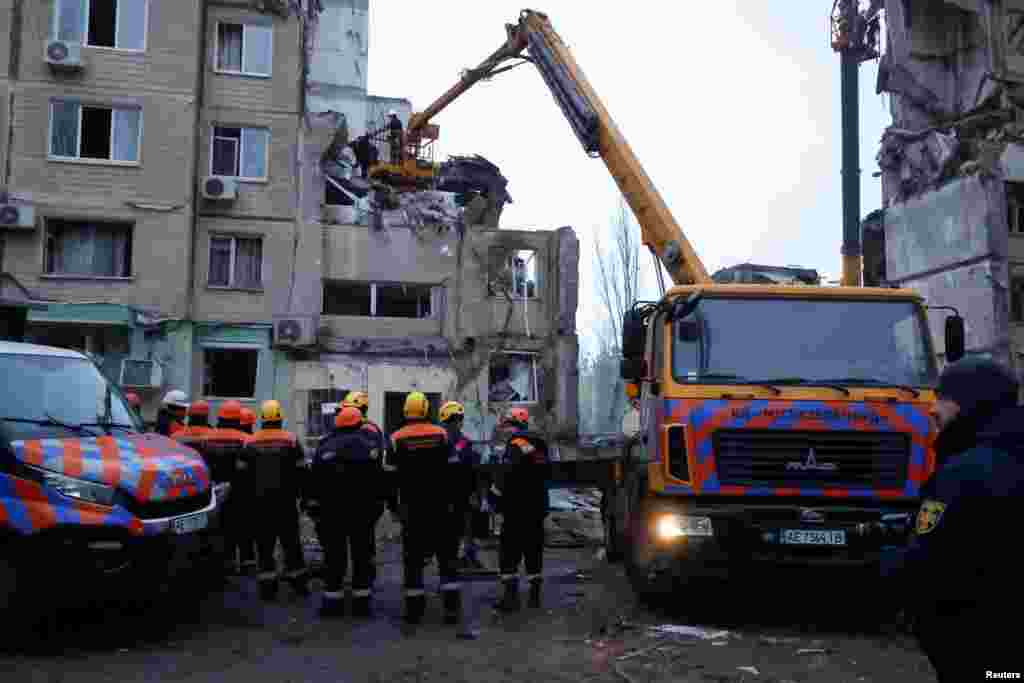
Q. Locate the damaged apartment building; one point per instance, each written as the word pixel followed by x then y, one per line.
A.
pixel 183 205
pixel 952 166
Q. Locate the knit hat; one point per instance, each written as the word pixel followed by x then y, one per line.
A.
pixel 978 386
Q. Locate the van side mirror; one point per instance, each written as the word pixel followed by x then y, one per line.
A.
pixel 955 338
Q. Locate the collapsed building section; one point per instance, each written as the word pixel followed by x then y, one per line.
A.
pixel 952 166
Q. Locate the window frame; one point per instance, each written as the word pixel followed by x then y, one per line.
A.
pixel 55 28
pixel 234 237
pixel 434 314
pixel 230 346
pixel 535 259
pixel 79 159
pixel 241 149
pixel 533 356
pixel 47 222
pixel 243 73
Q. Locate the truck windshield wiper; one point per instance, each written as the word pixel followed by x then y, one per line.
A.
pixel 875 382
pixel 712 376
pixel 54 422
pixel 108 425
pixel 803 381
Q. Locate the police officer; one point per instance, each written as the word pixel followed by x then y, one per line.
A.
pixel 422 453
pixel 171 417
pixel 524 504
pixel 960 583
pixel 452 416
pixel 224 450
pixel 273 461
pixel 345 485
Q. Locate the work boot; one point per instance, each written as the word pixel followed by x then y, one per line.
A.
pixel 534 593
pixel 299 583
pixel 415 607
pixel 361 604
pixel 510 600
pixel 268 587
pixel 452 601
pixel 332 605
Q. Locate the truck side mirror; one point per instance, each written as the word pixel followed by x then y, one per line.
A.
pixel 633 334
pixel 955 338
pixel 632 368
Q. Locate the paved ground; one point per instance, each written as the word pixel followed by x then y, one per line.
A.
pixel 590 629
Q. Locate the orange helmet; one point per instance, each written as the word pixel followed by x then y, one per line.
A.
pixel 230 410
pixel 133 399
pixel 518 416
pixel 348 416
pixel 248 417
pixel 199 408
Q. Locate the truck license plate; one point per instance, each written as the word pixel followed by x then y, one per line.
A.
pixel 187 525
pixel 813 537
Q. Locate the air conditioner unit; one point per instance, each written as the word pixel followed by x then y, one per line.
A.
pixel 141 374
pixel 296 331
pixel 219 187
pixel 17 216
pixel 64 56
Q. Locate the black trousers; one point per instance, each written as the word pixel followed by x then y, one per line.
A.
pixel 522 540
pixel 342 530
pixel 239 534
pixel 963 647
pixel 431 532
pixel 277 518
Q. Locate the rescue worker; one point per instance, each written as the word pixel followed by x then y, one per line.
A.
pixel 194 435
pixel 224 449
pixel 171 417
pixel 524 504
pixel 395 136
pixel 360 401
pixel 452 416
pixel 135 404
pixel 345 484
pixel 274 461
pixel 248 421
pixel 427 502
pixel 960 586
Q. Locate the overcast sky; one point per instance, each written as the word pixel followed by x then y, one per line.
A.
pixel 732 107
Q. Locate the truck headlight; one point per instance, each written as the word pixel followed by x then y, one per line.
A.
pixel 673 526
pixel 79 489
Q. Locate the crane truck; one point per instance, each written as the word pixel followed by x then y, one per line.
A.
pixel 787 424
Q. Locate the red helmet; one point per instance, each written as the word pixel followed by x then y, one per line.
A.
pixel 199 408
pixel 133 399
pixel 518 416
pixel 348 416
pixel 248 417
pixel 230 410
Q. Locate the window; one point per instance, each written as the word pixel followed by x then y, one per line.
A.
pixel 87 131
pixel 1017 293
pixel 319 422
pixel 239 152
pixel 1015 208
pixel 88 248
pixel 236 262
pixel 512 273
pixel 380 300
pixel 513 378
pixel 394 410
pixel 244 49
pixel 101 23
pixel 230 373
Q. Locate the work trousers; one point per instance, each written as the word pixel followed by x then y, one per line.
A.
pixel 276 517
pixel 239 536
pixel 341 530
pixel 522 540
pixel 426 533
pixel 963 647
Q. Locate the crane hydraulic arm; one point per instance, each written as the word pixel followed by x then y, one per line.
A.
pixel 595 130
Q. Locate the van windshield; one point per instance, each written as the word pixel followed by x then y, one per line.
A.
pixel 733 341
pixel 53 389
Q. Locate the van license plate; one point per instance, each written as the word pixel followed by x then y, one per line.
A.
pixel 813 537
pixel 190 524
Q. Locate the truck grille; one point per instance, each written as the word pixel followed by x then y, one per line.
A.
pixel 167 508
pixel 778 458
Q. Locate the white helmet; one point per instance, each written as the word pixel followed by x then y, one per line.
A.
pixel 176 398
pixel 392 112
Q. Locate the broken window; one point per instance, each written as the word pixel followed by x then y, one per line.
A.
pixel 380 300
pixel 394 410
pixel 239 152
pixel 244 49
pixel 512 273
pixel 236 262
pixel 323 403
pixel 86 131
pixel 88 248
pixel 101 23
pixel 513 378
pixel 1017 293
pixel 230 373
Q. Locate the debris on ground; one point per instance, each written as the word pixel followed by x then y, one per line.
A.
pixel 690 632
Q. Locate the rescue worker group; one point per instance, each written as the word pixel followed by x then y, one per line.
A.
pixel 357 473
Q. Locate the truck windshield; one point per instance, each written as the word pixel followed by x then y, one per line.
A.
pixel 53 396
pixel 737 341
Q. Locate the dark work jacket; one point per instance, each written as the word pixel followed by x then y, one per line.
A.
pixel 421 453
pixel 524 490
pixel 194 436
pixel 465 457
pixel 958 560
pixel 273 461
pixel 224 447
pixel 167 424
pixel 346 473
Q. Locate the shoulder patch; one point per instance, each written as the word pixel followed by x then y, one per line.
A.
pixel 929 515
